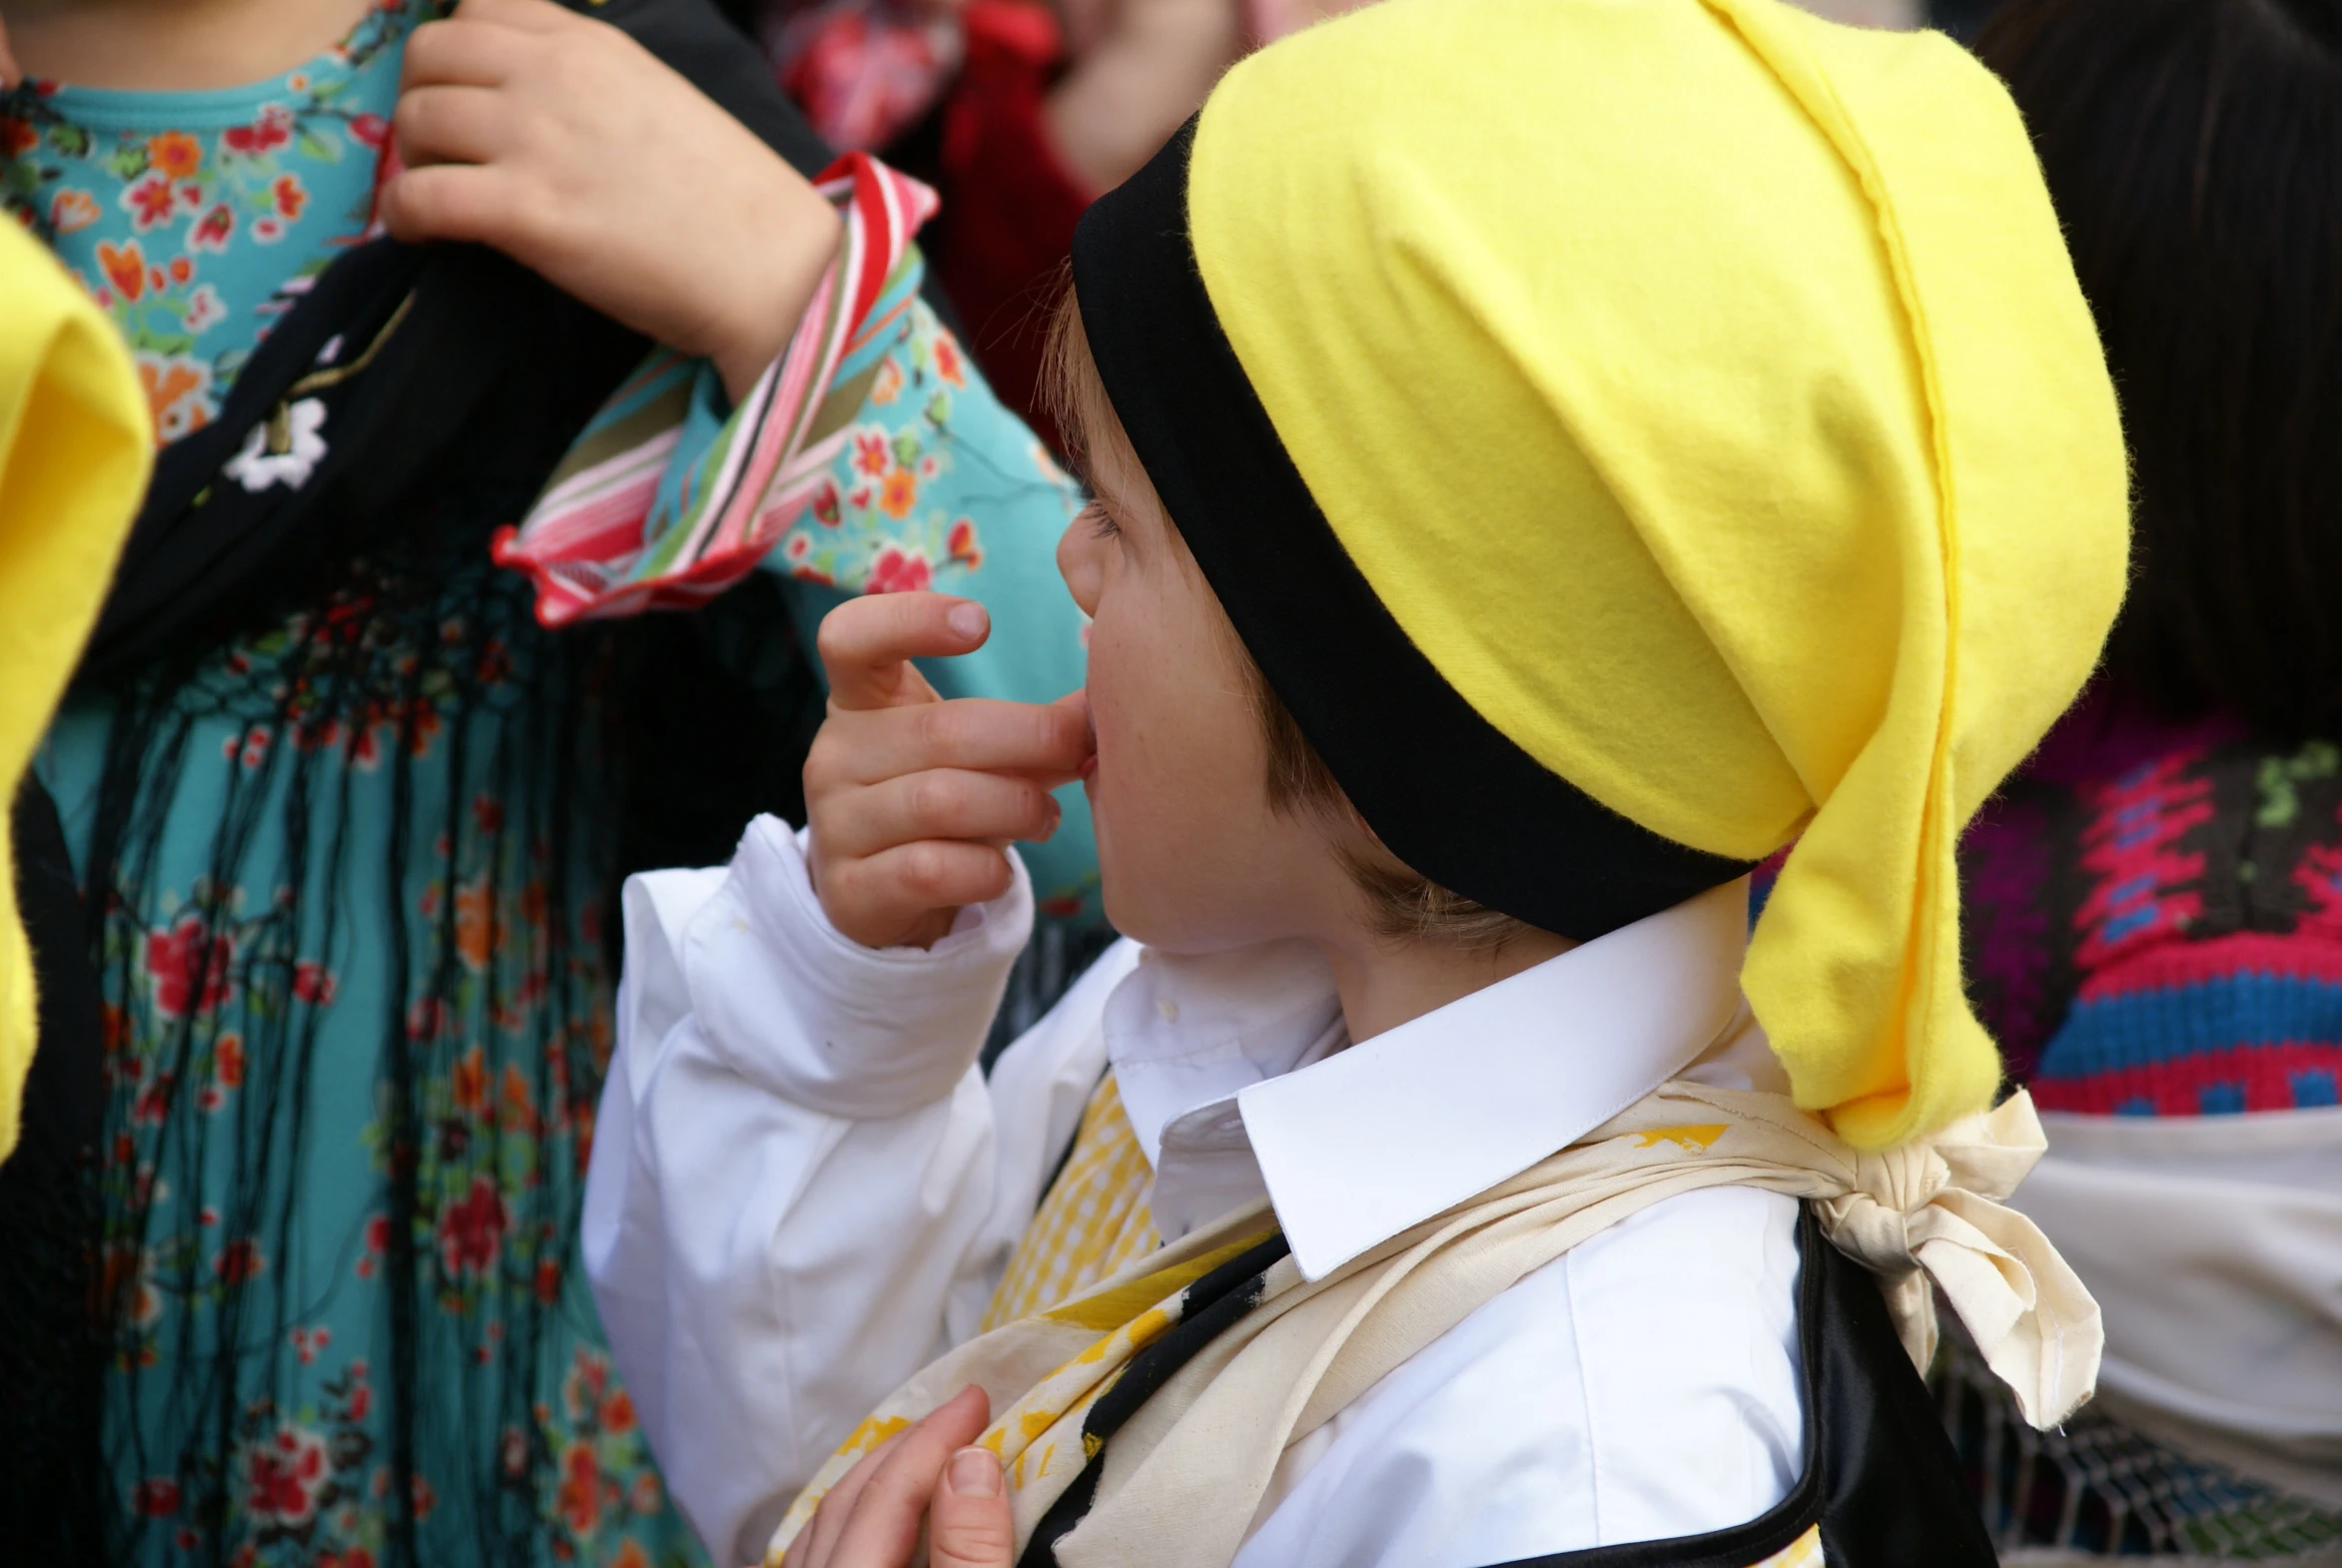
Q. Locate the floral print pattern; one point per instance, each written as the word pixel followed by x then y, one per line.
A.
pixel 222 976
pixel 311 1481
pixel 392 702
pixel 212 983
pixel 886 518
pixel 197 236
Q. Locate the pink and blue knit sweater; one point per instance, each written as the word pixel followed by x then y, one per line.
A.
pixel 2155 917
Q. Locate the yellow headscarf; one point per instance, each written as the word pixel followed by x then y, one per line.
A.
pixel 75 445
pixel 1705 391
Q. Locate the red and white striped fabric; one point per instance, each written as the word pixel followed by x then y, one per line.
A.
pixel 636 520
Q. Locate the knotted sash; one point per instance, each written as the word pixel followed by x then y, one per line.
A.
pixel 1191 1454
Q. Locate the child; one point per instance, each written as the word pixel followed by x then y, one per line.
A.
pixel 344 811
pixel 1549 454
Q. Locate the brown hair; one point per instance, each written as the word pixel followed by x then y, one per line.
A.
pixel 1400 901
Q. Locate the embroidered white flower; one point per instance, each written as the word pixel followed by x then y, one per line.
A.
pixel 205 308
pixel 282 449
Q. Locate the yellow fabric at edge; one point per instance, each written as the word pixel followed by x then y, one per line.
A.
pixel 1705 390
pixel 75 445
pixel 1092 1221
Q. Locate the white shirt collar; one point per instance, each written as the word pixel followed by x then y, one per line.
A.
pixel 1238 1078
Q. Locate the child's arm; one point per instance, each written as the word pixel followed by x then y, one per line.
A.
pixel 793 1173
pixel 802 1188
pixel 562 142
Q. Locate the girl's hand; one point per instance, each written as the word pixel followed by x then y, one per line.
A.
pixel 564 143
pixel 871 1518
pixel 913 800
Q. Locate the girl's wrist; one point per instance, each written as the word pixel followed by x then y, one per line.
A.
pixel 790 242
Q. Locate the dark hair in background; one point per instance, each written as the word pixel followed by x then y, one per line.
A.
pixel 2193 149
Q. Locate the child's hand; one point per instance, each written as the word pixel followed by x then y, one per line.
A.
pixel 871 1518
pixel 913 799
pixel 565 144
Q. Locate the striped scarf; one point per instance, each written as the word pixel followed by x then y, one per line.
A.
pixel 608 538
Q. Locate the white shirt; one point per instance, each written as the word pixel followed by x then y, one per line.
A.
pixel 803 1190
pixel 2215 1246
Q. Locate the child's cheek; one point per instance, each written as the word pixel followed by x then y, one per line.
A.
pixel 1102 687
pixel 1127 774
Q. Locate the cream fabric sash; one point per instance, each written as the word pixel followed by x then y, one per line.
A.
pixel 1183 1476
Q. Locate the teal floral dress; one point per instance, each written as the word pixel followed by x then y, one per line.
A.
pixel 197 218
pixel 354 936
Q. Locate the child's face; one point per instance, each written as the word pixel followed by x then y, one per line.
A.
pixel 1191 856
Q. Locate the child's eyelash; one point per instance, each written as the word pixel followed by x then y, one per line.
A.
pixel 1101 524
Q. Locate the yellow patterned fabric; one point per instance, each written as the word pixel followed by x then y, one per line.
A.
pixel 1092 1221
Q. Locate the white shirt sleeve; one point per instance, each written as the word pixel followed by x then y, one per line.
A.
pixel 802 1190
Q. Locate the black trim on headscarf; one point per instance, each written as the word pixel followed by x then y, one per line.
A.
pixel 1445 790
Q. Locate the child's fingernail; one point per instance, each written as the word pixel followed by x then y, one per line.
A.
pixel 976 1473
pixel 968 619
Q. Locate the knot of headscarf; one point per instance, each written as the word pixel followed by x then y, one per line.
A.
pixel 1930 1210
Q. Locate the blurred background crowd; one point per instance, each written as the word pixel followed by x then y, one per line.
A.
pixel 1021 112
pixel 2154 904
